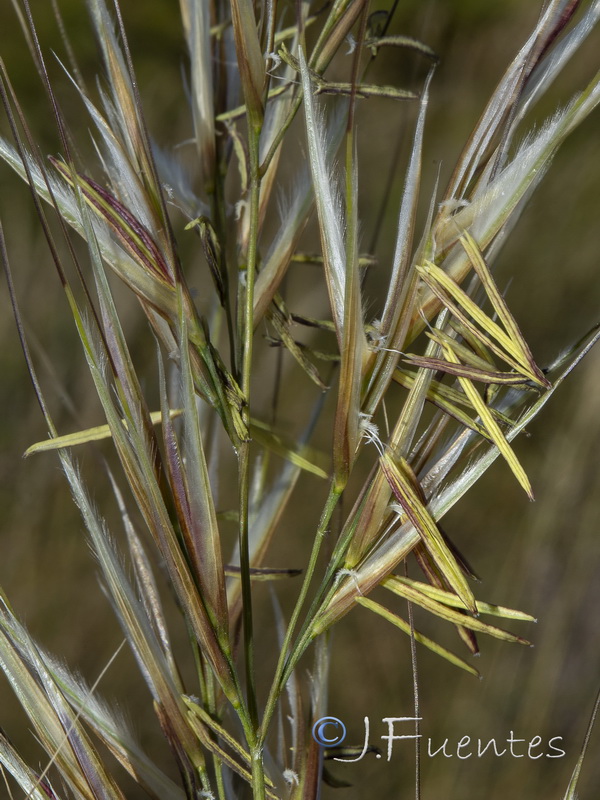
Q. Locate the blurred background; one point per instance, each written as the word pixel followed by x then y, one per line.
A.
pixel 543 558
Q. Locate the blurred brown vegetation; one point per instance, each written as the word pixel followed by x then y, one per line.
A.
pixel 543 558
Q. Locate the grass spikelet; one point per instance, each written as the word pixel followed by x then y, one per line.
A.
pixel 401 481
pixel 55 723
pixel 196 22
pixel 328 203
pixel 126 111
pixel 249 57
pixel 33 786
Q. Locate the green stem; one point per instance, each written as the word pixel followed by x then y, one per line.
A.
pixel 324 594
pixel 206 681
pixel 250 726
pixel 247 326
pixel 282 663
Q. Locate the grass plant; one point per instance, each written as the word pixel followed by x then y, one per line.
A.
pixel 418 368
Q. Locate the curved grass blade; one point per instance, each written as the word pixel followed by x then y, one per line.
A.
pixel 422 599
pixel 95 434
pixel 419 637
pixel 450 599
pixel 114 732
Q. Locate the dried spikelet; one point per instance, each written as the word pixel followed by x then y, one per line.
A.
pixel 195 14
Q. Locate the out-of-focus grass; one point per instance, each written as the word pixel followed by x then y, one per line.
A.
pixel 519 550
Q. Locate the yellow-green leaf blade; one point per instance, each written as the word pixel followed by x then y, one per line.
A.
pixel 448 598
pixel 491 425
pixel 278 444
pixel 95 434
pixel 449 614
pixel 419 637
